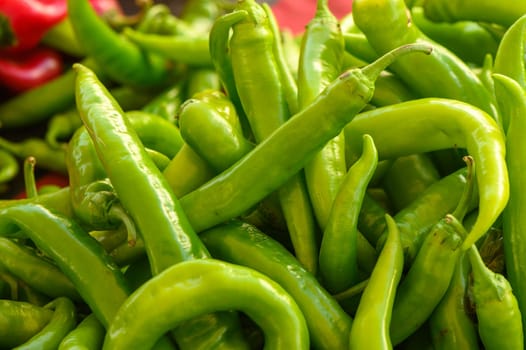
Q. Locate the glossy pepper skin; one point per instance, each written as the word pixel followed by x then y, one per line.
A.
pixel 243 244
pixel 185 296
pixel 236 189
pixel 20 321
pixel 76 253
pixel 467 39
pixel 62 321
pixel 426 281
pixel 388 23
pixel 258 69
pixel 370 329
pixel 450 325
pixel 513 223
pixel 339 243
pixel 37 272
pixel 210 125
pixel 460 125
pixel 499 317
pixel 320 62
pixel 126 164
pixel 88 334
pixel 30 69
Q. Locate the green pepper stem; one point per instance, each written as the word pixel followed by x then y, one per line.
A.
pixel 467 196
pixel 29 177
pixel 374 69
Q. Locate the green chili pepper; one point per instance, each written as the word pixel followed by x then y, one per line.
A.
pixel 450 325
pixel 42 102
pixel 509 59
pixel 338 250
pixel 390 90
pixel 201 79
pixel 258 70
pixel 502 12
pixel 187 171
pixel 370 329
pixel 76 253
pixel 513 105
pixel 388 24
pixel 193 288
pixel 47 157
pixel 36 271
pixel 427 279
pixel 220 54
pixel 9 167
pixel 408 177
pixel 290 88
pixel 243 244
pixel 287 150
pixel 190 50
pixel 91 195
pixel 498 314
pixel 469 40
pixel 127 165
pixel 62 321
pixel 20 320
pixel 123 61
pixel 442 124
pixel 320 63
pixel 210 125
pixel 166 104
pixel 88 335
pixel 370 222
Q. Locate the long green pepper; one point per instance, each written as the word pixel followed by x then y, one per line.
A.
pixel 320 63
pixel 442 124
pixel 127 165
pixel 370 329
pixel 339 244
pixel 513 221
pixel 240 187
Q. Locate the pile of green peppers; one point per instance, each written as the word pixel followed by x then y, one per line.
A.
pixel 231 185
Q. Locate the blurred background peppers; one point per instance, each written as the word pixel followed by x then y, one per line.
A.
pixel 32 34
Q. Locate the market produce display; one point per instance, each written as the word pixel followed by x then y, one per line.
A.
pixel 208 178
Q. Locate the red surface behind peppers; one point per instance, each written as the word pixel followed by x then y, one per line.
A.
pixel 295 14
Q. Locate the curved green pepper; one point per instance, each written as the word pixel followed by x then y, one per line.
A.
pixel 388 24
pixel 62 321
pixel 442 124
pixel 243 244
pixel 197 287
pixel 87 335
pixel 339 243
pixel 378 297
pixel 20 320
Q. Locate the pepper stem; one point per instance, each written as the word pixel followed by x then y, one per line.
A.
pixel 29 177
pixel 463 204
pixel 117 211
pixel 373 70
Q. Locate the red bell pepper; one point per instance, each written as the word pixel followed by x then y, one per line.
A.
pixel 23 23
pixel 25 70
